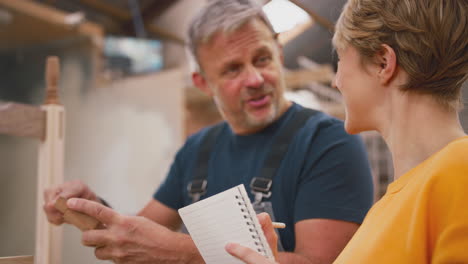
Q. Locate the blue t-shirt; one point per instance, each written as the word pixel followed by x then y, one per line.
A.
pixel 324 174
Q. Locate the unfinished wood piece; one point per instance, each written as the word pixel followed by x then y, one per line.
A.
pixel 22 120
pixel 315 16
pixel 297 78
pixel 124 16
pixel 52 79
pixel 17 260
pixel 51 16
pixel 287 36
pixel 50 170
pixel 82 221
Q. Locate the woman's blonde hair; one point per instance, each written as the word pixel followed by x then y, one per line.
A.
pixel 429 37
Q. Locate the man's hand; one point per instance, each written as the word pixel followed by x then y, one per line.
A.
pixel 66 190
pixel 248 255
pixel 133 239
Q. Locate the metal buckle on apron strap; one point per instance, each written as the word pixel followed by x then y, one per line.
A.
pixel 260 187
pixel 196 188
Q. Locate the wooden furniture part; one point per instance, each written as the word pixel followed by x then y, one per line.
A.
pixel 17 260
pixel 82 221
pixel 321 74
pixel 50 168
pixel 49 24
pixel 46 123
pixel 22 120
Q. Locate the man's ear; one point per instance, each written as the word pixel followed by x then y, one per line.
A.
pixel 200 82
pixel 387 64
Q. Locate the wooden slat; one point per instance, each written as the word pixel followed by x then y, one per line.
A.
pixel 108 9
pixel 51 15
pixel 50 173
pixel 50 168
pixel 164 34
pixel 287 36
pixel 17 260
pixel 318 18
pixel 22 120
pixel 156 9
pixel 296 78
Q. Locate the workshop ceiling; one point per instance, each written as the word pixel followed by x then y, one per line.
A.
pixel 120 17
pixel 162 19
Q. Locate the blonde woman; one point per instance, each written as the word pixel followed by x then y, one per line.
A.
pixel 402 65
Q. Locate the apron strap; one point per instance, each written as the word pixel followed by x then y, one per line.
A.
pixel 261 186
pixel 197 187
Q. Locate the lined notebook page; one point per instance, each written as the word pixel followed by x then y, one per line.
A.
pixel 222 218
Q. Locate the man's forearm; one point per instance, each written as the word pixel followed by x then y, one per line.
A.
pixel 186 251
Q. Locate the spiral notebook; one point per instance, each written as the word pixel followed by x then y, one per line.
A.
pixel 225 217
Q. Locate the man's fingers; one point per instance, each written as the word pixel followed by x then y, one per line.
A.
pixel 102 213
pixel 74 188
pixel 96 238
pixel 53 215
pixel 103 253
pixel 246 254
pixel 51 194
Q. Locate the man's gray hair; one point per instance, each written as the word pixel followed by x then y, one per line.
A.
pixel 222 16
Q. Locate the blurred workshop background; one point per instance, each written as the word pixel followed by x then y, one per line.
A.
pixel 126 87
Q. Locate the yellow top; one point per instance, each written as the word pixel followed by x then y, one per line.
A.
pixel 423 217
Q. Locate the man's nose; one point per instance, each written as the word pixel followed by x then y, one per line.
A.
pixel 253 78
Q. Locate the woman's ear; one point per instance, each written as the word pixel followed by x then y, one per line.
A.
pixel 200 82
pixel 387 64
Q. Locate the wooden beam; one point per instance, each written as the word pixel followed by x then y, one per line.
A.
pixel 111 10
pixel 125 18
pixel 22 120
pixel 164 34
pixel 51 15
pixel 148 14
pixel 298 78
pixel 286 36
pixel 17 260
pixel 156 9
pixel 318 18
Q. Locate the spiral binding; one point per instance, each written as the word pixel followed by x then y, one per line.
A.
pixel 250 222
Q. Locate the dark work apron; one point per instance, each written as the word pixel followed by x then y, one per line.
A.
pixel 260 186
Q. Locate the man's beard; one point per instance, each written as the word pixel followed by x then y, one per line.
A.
pixel 249 120
pixel 253 122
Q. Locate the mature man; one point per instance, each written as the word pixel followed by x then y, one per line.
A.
pixel 298 164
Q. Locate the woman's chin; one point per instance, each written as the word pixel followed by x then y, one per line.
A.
pixel 351 127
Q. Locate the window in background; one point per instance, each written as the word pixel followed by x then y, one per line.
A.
pixel 130 56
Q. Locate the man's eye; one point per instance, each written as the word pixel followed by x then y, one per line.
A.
pixel 231 71
pixel 263 61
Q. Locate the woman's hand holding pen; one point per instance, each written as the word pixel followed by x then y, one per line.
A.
pixel 248 255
